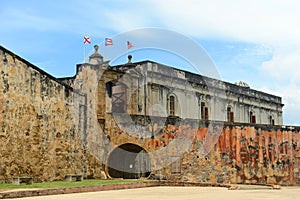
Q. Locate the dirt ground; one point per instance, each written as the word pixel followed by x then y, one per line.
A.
pixel 184 193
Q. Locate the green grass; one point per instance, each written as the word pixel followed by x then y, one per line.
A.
pixel 65 184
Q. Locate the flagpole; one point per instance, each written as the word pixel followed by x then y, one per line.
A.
pixel 104 49
pixel 126 52
pixel 84 54
pixel 86 39
pixel 129 45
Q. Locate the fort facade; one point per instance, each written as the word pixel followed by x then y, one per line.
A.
pixel 140 119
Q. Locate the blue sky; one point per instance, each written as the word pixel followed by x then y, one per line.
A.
pixel 254 41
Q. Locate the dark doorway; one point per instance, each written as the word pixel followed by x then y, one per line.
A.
pixel 129 161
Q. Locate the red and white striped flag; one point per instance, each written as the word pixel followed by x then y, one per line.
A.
pixel 129 45
pixel 108 41
pixel 86 39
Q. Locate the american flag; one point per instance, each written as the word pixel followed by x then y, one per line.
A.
pixel 86 39
pixel 108 41
pixel 129 45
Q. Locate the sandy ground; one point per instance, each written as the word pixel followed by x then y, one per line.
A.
pixel 183 193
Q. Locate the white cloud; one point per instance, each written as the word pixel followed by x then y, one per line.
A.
pixel 284 69
pixel 258 21
pixel 21 19
pixel 269 21
pixel 284 66
pixel 124 20
pixel 290 94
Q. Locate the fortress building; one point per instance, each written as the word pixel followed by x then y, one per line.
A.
pixel 140 119
pixel 163 91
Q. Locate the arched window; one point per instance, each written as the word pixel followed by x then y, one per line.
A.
pixel 172 105
pixel 204 111
pixel 271 120
pixel 252 118
pixel 230 114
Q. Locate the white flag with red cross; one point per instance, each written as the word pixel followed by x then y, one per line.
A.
pixel 86 40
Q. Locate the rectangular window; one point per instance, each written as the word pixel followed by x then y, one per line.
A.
pixel 155 96
pixel 271 120
pixel 119 98
pixel 172 105
pixel 175 165
pixel 202 110
pixel 253 119
pixel 231 117
pixel 206 113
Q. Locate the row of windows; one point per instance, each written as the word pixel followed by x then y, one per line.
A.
pixel 172 107
pixel 204 112
pixel 119 105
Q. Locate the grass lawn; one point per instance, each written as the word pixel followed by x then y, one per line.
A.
pixel 65 184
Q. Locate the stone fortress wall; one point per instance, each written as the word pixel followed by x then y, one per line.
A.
pixel 51 127
pixel 39 123
pixel 242 153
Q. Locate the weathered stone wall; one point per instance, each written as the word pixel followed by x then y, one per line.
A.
pixel 215 152
pixel 233 154
pixel 38 126
pixel 90 80
pixel 246 154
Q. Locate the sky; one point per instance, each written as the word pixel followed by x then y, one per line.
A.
pixel 254 41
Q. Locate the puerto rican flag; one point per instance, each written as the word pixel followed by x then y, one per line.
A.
pixel 87 39
pixel 108 41
pixel 129 45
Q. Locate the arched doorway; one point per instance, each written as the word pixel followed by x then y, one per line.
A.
pixel 129 161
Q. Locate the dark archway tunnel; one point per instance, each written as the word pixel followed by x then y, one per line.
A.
pixel 129 161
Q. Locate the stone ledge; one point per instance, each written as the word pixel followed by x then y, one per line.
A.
pixel 200 184
pixel 44 192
